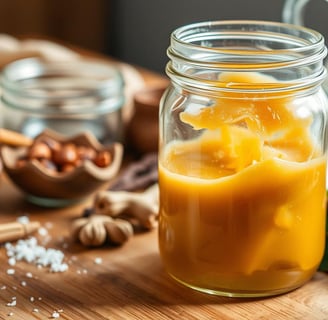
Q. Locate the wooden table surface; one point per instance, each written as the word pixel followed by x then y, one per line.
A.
pixel 129 283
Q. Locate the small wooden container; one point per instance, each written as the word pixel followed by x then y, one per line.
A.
pixel 142 130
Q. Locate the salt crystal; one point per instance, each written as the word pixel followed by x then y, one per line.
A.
pixel 23 219
pixel 98 260
pixel 29 275
pixel 32 299
pixel 29 251
pixel 23 283
pixel 10 253
pixel 55 315
pixel 36 310
pixel 10 314
pixel 42 231
pixel 12 303
pixel 58 267
pixel 3 287
pixel 12 261
pixel 11 271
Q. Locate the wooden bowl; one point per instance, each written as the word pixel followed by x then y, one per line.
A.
pixel 51 189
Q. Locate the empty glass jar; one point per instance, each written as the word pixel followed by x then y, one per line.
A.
pixel 67 97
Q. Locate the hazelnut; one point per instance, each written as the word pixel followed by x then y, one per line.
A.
pixel 51 143
pixel 86 153
pixel 63 157
pixel 66 154
pixel 103 159
pixel 39 150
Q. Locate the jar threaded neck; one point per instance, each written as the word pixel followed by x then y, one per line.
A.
pixel 293 55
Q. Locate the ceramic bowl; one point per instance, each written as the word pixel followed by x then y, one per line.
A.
pixel 50 189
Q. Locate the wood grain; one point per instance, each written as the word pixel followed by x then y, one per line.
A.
pixel 130 283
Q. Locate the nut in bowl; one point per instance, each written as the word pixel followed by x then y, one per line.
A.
pixel 58 171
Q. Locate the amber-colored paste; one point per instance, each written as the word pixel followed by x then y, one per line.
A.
pixel 243 204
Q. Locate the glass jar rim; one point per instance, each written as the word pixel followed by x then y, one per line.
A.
pixel 86 85
pixel 184 35
pixel 246 45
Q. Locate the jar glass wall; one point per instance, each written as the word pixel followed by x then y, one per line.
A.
pixel 242 161
pixel 69 98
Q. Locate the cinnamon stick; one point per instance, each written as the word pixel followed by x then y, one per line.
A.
pixel 14 138
pixel 15 230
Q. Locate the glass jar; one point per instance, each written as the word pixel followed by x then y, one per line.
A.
pixel 66 97
pixel 294 11
pixel 242 157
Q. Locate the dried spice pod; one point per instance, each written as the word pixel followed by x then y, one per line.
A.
pixel 138 175
pixel 97 230
pixel 93 233
pixel 118 231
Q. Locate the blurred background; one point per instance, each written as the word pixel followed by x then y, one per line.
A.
pixel 136 31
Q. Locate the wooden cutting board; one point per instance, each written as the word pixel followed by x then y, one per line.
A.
pixel 129 283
